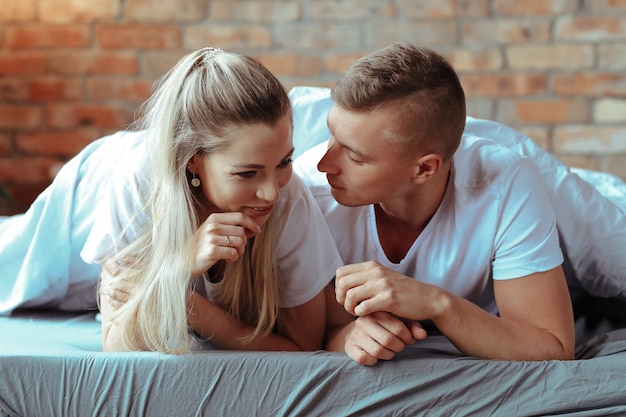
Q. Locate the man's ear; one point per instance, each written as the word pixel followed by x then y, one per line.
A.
pixel 426 166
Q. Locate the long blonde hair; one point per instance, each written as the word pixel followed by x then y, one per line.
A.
pixel 196 105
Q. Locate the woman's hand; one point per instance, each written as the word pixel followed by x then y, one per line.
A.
pixel 113 294
pixel 222 236
pixel 111 289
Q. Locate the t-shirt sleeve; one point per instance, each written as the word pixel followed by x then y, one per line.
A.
pixel 527 240
pixel 119 215
pixel 307 256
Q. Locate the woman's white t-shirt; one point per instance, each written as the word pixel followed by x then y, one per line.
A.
pixel 306 256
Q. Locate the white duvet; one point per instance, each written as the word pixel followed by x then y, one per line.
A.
pixel 40 264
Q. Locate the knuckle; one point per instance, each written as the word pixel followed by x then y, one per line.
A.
pixel 378 350
pixel 359 356
pixel 387 340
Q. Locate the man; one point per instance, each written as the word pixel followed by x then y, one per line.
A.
pixel 433 225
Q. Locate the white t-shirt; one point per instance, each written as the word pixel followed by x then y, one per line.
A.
pixel 495 222
pixel 306 257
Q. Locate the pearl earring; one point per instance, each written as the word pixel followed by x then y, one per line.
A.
pixel 195 181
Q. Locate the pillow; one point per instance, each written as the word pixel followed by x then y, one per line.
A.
pixel 590 214
pixel 310 110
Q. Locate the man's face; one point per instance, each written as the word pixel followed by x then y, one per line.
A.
pixel 361 164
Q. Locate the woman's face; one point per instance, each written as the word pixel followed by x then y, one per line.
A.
pixel 248 175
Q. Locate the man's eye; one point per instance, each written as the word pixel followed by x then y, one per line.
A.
pixel 285 163
pixel 353 159
pixel 246 174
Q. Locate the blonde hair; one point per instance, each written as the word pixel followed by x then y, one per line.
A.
pixel 196 105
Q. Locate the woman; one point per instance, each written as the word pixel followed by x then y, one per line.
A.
pixel 209 193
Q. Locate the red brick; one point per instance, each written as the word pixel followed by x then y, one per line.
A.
pixel 26 170
pixel 39 89
pixel 257 11
pixel 6 144
pixel 539 135
pixel 612 56
pixel 616 164
pixel 552 111
pixel 165 11
pixel 590 27
pixel 504 85
pixel 18 10
pixel 156 63
pixel 137 35
pixel 580 161
pixel 312 36
pixel 429 9
pixel 20 117
pixel 589 84
pixel 94 63
pixel 474 8
pixel 72 11
pixel 534 7
pixel 594 140
pixel 553 56
pixel 64 144
pixel 471 60
pixel 71 115
pixel 339 63
pixel 44 36
pixel 23 63
pixel 432 33
pixel 22 195
pixel 616 6
pixel 313 82
pixel 505 31
pixel 227 36
pixel 351 9
pixel 294 65
pixel 480 108
pixel 120 89
pixel 46 90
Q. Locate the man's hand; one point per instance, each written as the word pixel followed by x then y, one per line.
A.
pixel 369 287
pixel 379 336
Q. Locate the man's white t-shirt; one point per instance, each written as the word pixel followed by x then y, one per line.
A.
pixel 306 258
pixel 496 221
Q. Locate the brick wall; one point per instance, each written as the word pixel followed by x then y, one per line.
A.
pixel 74 70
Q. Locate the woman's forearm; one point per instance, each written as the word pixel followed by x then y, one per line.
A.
pixel 226 332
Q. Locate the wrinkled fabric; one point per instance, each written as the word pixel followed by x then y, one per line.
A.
pixel 51 365
pixel 40 264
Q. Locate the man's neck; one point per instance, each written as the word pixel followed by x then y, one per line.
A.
pixel 400 222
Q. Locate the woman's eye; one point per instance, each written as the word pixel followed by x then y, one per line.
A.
pixel 285 163
pixel 246 174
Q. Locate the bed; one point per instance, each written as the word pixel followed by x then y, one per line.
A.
pixel 52 364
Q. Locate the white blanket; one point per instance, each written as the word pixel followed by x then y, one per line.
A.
pixel 40 264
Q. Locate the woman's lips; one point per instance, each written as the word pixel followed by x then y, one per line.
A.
pixel 259 211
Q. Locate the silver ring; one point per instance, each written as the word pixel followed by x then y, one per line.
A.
pixel 227 241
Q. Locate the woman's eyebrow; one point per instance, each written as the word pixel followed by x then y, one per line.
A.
pixel 258 166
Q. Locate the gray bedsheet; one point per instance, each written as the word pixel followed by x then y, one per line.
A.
pixel 51 364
